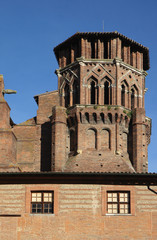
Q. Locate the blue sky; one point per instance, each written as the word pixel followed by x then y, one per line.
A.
pixel 29 30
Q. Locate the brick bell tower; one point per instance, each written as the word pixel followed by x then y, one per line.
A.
pixel 100 124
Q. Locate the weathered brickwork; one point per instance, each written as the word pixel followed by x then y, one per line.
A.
pixel 97 114
pixel 78 170
pixel 80 214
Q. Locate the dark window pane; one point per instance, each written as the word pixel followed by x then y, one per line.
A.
pixel 50 205
pixel 39 210
pixel 33 205
pixel 45 210
pixel 39 205
pixel 33 210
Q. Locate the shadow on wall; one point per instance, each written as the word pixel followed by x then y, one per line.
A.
pixel 46 135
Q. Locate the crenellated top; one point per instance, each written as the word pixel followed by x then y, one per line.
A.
pixel 102 45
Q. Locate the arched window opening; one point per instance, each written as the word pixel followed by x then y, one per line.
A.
pixel 121 118
pixel 81 117
pixel 105 139
pixel 75 93
pixel 132 98
pixel 126 121
pixel 93 91
pixel 123 95
pixel 67 95
pixel 72 141
pixel 110 117
pixel 95 117
pixel 87 117
pixel 116 117
pixel 91 138
pixel 125 142
pixel 102 117
pixel 106 92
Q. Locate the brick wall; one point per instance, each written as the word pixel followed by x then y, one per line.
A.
pixel 79 214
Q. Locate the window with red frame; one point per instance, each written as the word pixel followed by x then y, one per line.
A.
pixel 42 202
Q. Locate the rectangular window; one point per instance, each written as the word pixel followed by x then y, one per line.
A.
pixel 118 202
pixel 42 202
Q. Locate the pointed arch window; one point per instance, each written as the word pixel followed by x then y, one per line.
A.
pixel 102 117
pixel 67 95
pixel 87 117
pixel 93 92
pixel 132 98
pixel 123 95
pixel 107 91
pixel 75 93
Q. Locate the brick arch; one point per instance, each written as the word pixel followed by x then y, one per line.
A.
pixel 91 138
pixel 86 117
pixel 134 96
pixel 94 116
pixel 116 118
pixel 103 74
pixel 126 122
pixel 92 78
pixel 121 119
pixel 127 79
pixel 109 115
pixel 106 84
pixel 105 136
pixel 98 79
pixel 93 91
pixel 125 93
pixel 125 142
pixel 102 117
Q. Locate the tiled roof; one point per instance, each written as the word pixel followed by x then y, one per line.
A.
pixel 115 33
pixel 118 178
pixel 80 173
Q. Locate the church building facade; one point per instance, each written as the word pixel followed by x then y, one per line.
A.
pixel 79 169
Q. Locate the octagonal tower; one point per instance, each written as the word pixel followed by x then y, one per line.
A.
pixel 100 124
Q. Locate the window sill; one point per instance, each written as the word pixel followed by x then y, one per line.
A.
pixel 42 214
pixel 118 214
